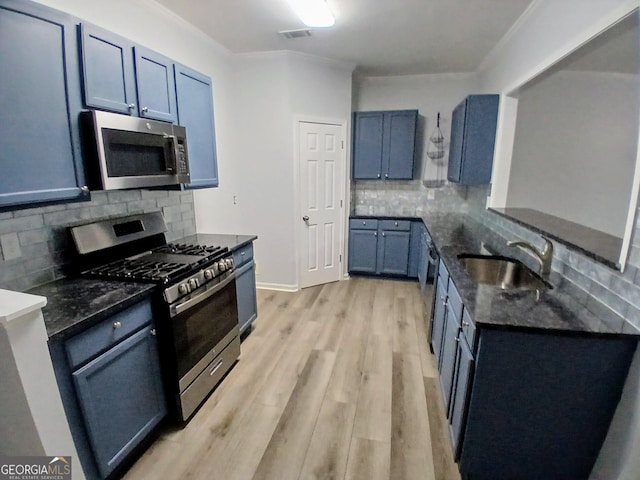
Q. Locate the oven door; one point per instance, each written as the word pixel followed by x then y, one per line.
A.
pixel 203 324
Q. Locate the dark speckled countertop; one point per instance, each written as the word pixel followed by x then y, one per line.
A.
pixel 490 306
pixel 75 304
pixel 234 242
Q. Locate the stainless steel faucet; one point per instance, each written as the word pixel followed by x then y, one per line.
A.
pixel 543 256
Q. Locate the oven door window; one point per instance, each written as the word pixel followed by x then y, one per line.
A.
pixel 200 328
pixel 130 154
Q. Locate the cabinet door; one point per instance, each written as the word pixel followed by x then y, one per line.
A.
pixel 107 70
pixel 156 86
pixel 195 112
pixel 393 252
pixel 363 251
pixel 464 370
pixel 367 145
pixel 121 398
pixel 438 321
pixel 39 105
pixel 480 125
pixel 246 291
pixel 399 145
pixel 450 342
pixel 457 141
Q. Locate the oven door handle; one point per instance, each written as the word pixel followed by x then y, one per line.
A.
pixel 178 309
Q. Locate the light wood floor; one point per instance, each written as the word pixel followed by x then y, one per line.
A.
pixel 334 382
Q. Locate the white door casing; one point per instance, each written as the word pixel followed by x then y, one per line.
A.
pixel 321 158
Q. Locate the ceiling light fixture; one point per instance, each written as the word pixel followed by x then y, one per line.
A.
pixel 313 13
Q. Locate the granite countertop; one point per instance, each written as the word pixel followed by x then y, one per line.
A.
pixel 75 304
pixel 489 306
pixel 234 242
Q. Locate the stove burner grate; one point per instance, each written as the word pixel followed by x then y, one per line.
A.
pixel 189 249
pixel 140 269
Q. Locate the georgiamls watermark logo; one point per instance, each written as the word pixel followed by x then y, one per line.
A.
pixel 35 468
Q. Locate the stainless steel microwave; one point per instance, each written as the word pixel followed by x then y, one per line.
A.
pixel 128 152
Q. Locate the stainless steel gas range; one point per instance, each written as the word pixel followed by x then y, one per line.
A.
pixel 196 312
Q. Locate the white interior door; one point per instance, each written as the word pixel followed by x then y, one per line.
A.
pixel 321 157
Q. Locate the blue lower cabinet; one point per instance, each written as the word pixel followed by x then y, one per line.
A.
pixel 393 252
pixel 246 291
pixel 121 398
pixel 111 387
pixel 246 287
pixel 383 246
pixel 363 251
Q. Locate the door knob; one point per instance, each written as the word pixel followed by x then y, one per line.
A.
pixel 305 218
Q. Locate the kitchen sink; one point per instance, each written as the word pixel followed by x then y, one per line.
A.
pixel 502 272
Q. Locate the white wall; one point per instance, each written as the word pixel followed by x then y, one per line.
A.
pixel 575 148
pixel 429 94
pixel 546 33
pixel 270 91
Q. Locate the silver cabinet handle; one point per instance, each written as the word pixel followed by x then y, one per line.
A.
pixel 242 254
pixel 117 325
pixel 386 175
pixel 364 223
pixel 153 332
pixel 84 189
pixel 465 324
pixel 458 339
pixel 378 175
pixel 131 106
pixel 383 234
pixel 395 223
pixel 144 110
pixel 305 218
pixel 375 234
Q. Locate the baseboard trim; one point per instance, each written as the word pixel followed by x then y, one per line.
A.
pixel 277 286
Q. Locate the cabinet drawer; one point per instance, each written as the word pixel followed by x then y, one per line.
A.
pixel 455 301
pixel 363 224
pixel 243 255
pixel 104 335
pixel 469 329
pixel 399 225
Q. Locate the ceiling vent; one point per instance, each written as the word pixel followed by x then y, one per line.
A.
pixel 296 33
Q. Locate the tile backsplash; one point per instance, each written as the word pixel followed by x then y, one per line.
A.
pixel 34 242
pixel 412 198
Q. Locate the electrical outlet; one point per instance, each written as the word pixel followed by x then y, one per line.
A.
pixel 431 195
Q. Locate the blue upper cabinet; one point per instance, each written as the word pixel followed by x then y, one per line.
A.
pixel 367 145
pixel 398 150
pixel 384 145
pixel 195 113
pixel 156 85
pixel 39 106
pixel 108 72
pixel 125 78
pixel 473 134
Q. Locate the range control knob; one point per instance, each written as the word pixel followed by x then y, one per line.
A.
pixel 229 263
pixel 209 274
pixel 222 266
pixel 183 289
pixel 193 283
